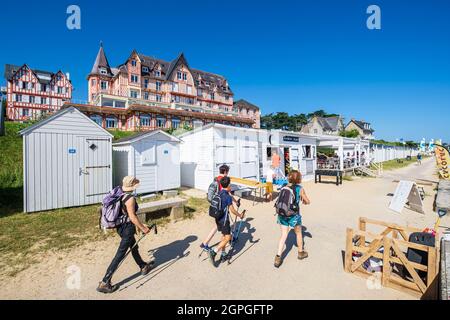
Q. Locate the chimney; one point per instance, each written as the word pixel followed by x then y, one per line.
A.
pixel 68 76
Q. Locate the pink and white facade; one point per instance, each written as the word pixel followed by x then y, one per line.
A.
pixel 150 93
pixel 31 94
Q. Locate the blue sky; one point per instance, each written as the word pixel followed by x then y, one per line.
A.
pixel 294 56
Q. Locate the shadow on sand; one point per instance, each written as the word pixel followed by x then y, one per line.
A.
pixel 291 240
pixel 163 257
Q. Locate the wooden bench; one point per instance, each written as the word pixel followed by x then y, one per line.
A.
pixel 176 206
pixel 328 172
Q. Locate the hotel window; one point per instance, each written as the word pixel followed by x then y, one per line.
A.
pixel 103 85
pixel 184 76
pixel 97 119
pixel 18 98
pixel 158 98
pixel 179 75
pixel 212 95
pixel 111 122
pixel 32 99
pixel 144 69
pixel 43 100
pixel 24 85
pixel 25 112
pixel 93 82
pixel 160 122
pixel 189 89
pixel 146 95
pixel 133 63
pixel 43 87
pixel 103 71
pixel 134 78
pixel 60 90
pixel 146 83
pixel 158 73
pixel 176 99
pixel 145 120
pixel 133 94
pixel 174 87
pixel 227 98
pixel 175 123
pixel 158 85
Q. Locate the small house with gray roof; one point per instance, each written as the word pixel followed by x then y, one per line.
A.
pixel 324 125
pixel 364 128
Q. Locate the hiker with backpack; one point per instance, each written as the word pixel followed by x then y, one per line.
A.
pixel 119 211
pixel 220 209
pixel 287 208
pixel 213 189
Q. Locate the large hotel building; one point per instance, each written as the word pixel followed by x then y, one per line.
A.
pixel 145 93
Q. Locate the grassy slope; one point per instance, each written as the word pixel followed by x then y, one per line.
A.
pixel 23 237
pixel 11 179
pixel 394 164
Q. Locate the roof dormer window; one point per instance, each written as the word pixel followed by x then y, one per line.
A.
pixel 103 71
pixel 144 69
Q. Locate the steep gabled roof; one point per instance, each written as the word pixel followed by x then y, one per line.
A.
pixel 329 123
pixel 361 124
pixel 179 60
pixel 43 76
pixel 101 62
pixel 246 104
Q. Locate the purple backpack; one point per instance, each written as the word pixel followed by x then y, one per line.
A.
pixel 112 215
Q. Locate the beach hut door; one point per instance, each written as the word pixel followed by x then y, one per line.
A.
pixel 295 159
pixel 96 166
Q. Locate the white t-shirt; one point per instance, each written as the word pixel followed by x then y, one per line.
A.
pixel 270 174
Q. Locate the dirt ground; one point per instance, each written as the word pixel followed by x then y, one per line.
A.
pixel 181 274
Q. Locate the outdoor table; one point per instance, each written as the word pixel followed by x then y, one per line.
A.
pixel 328 172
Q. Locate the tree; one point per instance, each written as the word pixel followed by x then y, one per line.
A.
pixel 349 133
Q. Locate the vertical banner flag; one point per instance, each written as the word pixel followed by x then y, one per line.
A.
pixel 431 146
pixel 422 145
pixel 442 161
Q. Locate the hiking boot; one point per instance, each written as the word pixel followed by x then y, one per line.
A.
pixel 212 257
pixel 147 268
pixel 278 261
pixel 224 257
pixel 302 255
pixel 107 287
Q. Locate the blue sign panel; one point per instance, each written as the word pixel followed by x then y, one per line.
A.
pixel 72 150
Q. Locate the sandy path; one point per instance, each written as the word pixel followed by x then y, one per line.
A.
pixel 180 274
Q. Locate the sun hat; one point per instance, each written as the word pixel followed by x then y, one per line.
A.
pixel 130 183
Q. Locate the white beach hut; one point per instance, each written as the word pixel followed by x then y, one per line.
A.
pixel 66 162
pixel 153 157
pixel 206 148
pixel 296 150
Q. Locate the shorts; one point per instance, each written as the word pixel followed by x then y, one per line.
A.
pixel 224 227
pixel 269 187
pixel 292 221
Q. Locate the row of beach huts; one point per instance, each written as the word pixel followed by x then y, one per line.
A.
pixel 69 160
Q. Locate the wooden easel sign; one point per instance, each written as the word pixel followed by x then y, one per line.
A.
pixel 406 192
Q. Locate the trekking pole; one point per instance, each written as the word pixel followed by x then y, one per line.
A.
pixel 131 249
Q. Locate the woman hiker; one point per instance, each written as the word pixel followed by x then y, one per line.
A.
pixel 126 231
pixel 293 221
